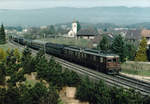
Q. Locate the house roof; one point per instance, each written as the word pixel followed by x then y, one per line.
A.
pixel 87 32
pixel 133 34
pixel 145 33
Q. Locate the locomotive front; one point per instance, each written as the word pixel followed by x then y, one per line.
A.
pixel 112 64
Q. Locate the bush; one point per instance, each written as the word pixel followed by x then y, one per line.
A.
pixel 70 78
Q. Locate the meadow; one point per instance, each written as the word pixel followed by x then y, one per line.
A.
pixel 136 68
pixel 69 41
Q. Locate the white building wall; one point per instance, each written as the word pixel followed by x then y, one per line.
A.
pixel 74 27
pixel 73 31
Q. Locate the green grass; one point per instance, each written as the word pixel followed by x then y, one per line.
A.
pixel 6 46
pixel 69 41
pixel 136 69
pixel 137 72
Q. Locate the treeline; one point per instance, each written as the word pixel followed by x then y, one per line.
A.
pixel 13 68
pixel 13 89
pixel 49 31
pixel 125 49
pixel 100 93
pixel 2 35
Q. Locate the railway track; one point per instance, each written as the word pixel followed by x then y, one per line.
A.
pixel 117 80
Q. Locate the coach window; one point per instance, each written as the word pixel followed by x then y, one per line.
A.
pixel 101 60
pixel 109 60
pixel 65 51
pixel 94 58
pixel 78 54
pixel 68 52
pixel 114 60
pixel 84 55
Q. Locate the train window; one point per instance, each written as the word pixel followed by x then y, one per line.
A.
pixel 84 55
pixel 94 58
pixel 101 60
pixel 109 60
pixel 74 53
pixel 78 55
pixel 114 60
pixel 65 51
pixel 69 52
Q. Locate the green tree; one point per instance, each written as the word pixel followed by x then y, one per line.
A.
pixel 39 94
pixel 2 73
pixel 2 55
pixel 2 95
pixel 17 54
pixel 52 97
pixel 2 35
pixel 12 96
pixel 27 61
pixel 70 78
pixel 118 47
pixel 42 68
pixel 148 53
pixel 84 90
pixel 104 44
pixel 141 54
pixel 55 73
pixel 78 26
pixel 11 65
pixel 130 54
pixel 16 77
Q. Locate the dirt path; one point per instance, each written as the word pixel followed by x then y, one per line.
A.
pixel 67 95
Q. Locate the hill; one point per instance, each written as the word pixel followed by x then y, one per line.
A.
pixel 38 17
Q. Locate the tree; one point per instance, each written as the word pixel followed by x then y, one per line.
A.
pixel 42 69
pixel 118 47
pixel 2 73
pixel 17 54
pixel 130 54
pixel 141 53
pixel 16 77
pixel 12 96
pixel 2 95
pixel 2 35
pixel 52 97
pixel 70 78
pixel 11 65
pixel 104 44
pixel 27 61
pixel 148 53
pixel 84 90
pixel 78 26
pixel 2 55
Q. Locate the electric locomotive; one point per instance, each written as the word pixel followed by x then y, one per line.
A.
pixel 95 59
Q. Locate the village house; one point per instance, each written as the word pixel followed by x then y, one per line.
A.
pixel 87 33
pixel 146 33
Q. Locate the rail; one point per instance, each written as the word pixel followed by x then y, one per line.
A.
pixel 118 80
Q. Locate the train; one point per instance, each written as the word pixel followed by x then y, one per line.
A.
pixel 93 59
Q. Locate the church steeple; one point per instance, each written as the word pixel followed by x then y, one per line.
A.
pixel 74 27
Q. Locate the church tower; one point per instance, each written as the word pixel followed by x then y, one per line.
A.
pixel 73 31
pixel 74 27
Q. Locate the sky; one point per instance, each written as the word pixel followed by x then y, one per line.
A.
pixel 37 4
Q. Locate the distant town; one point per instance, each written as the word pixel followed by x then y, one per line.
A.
pixel 86 31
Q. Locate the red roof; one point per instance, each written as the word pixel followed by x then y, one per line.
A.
pixel 145 33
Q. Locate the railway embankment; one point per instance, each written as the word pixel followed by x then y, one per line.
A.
pixel 136 69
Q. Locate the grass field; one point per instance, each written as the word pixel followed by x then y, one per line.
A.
pixel 136 68
pixel 6 46
pixel 68 41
